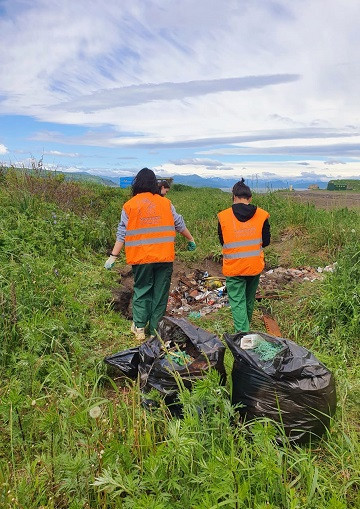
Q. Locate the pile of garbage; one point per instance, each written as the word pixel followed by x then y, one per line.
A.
pixel 275 280
pixel 197 294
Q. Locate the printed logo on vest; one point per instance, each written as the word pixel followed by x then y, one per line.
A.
pixel 242 232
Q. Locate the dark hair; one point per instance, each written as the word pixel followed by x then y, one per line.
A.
pixel 145 182
pixel 241 190
pixel 164 183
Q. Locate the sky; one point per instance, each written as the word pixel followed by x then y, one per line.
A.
pixel 235 88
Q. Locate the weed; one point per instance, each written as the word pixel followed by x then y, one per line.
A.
pixel 71 437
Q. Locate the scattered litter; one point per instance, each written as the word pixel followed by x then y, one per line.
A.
pixel 197 294
pixel 194 314
pixel 329 268
pixel 201 292
pixel 274 281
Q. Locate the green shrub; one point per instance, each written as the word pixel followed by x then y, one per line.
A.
pixel 71 437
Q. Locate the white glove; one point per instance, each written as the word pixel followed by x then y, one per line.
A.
pixel 110 262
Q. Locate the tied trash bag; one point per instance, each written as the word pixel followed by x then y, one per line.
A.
pixel 184 351
pixel 283 381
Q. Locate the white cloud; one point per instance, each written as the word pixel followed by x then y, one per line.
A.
pixel 275 136
pixel 322 149
pixel 3 149
pixel 192 74
pixel 60 154
pixel 139 94
pixel 330 161
pixel 197 161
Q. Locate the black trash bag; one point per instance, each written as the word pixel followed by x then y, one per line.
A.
pixel 127 362
pixel 201 350
pixel 293 388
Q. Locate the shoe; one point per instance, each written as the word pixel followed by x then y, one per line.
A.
pixel 139 332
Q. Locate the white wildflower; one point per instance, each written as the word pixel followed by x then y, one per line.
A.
pixel 95 412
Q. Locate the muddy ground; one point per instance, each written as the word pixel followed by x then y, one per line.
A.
pixel 326 199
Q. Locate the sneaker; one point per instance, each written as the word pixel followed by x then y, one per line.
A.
pixel 139 332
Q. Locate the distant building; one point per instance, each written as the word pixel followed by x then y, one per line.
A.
pixel 313 186
pixel 337 186
pixel 125 182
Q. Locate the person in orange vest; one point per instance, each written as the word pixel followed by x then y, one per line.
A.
pixel 244 231
pixel 147 228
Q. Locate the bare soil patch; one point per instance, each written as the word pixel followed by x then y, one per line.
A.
pixel 326 199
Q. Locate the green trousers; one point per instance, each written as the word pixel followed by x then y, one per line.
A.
pixel 241 291
pixel 151 292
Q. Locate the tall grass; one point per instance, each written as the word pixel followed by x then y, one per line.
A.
pixel 71 437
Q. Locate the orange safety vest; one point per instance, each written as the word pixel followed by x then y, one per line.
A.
pixel 150 232
pixel 242 248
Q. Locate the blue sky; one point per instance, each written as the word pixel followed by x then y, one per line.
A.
pixel 231 89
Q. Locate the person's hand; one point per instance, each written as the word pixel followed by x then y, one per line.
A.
pixel 110 262
pixel 191 245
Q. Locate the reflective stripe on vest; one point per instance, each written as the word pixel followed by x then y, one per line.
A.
pixel 153 240
pixel 143 242
pixel 155 229
pixel 149 244
pixel 242 243
pixel 242 251
pixel 246 254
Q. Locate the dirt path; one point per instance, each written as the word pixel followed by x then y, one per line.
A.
pixel 326 199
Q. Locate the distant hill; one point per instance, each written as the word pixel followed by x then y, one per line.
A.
pixel 260 184
pixel 76 175
pixel 345 184
pixel 82 175
pixel 226 183
pixel 195 180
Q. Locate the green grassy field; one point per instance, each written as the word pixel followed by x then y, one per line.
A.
pixel 73 438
